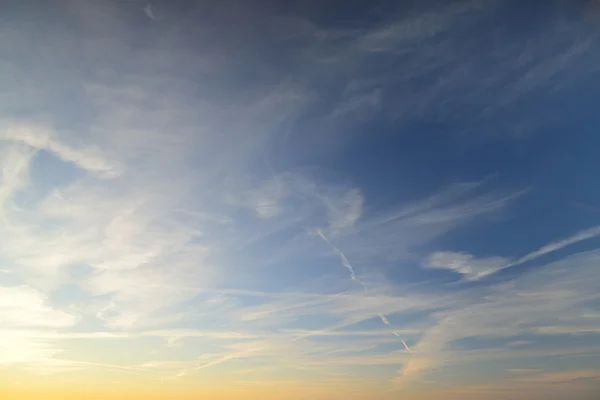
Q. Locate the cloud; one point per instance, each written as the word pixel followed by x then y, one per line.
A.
pixel 347 264
pixel 396 233
pixel 15 170
pixel 433 44
pixel 358 106
pixel 406 346
pixel 473 268
pixel 468 266
pixel 296 197
pixel 23 306
pixel 560 288
pixel 343 259
pixel 559 377
pixel 266 200
pixel 555 246
pixel 518 343
pixel 89 159
pixel 149 12
pixel 345 212
pixel 14 349
pixel 523 370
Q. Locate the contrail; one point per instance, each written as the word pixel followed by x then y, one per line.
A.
pixel 347 264
pixel 555 246
pixel 405 345
pixel 349 267
pixel 384 319
pixel 343 258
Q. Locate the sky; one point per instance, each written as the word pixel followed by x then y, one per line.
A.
pixel 260 199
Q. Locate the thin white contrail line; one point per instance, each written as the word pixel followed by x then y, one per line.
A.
pixel 384 319
pixel 350 268
pixel 559 245
pixel 405 345
pixel 343 258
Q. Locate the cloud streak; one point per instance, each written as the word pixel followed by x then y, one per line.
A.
pixel 38 138
pixel 474 269
pixel 149 12
pixel 406 346
pixel 471 268
pixel 559 245
pixel 348 266
pixel 343 259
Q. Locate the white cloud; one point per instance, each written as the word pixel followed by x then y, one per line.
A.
pixel 345 211
pixel 14 349
pixel 518 343
pixel 350 268
pixel 39 138
pixel 559 377
pixel 343 259
pixel 267 199
pixel 561 244
pixel 406 346
pixel 550 301
pixel 397 233
pixel 149 12
pixel 470 267
pixel 435 40
pixel 15 169
pixel 23 306
pixel 473 268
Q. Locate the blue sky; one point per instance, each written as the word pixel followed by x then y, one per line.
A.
pixel 374 197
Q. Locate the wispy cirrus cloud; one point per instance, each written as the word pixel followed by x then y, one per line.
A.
pixel 15 170
pixel 558 245
pixel 21 308
pixel 40 138
pixel 559 288
pixel 470 267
